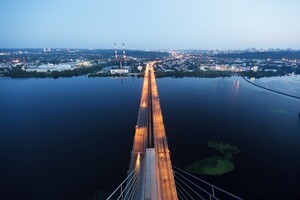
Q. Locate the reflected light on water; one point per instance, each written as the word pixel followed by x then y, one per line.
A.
pixel 235 87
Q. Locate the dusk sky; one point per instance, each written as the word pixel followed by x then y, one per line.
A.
pixel 150 24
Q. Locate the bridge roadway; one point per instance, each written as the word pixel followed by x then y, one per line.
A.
pixel 164 176
pixel 141 128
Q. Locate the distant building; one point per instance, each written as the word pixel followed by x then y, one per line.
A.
pixel 168 70
pixel 47 50
pixel 254 68
pixel 83 64
pixel 270 70
pixel 202 68
pixel 2 65
pixel 119 71
pixel 51 67
pixel 140 68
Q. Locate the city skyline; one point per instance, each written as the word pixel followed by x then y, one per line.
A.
pixel 150 24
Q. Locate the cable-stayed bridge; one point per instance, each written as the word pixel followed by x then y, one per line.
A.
pixel 151 175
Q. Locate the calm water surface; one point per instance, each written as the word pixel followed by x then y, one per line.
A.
pixel 70 138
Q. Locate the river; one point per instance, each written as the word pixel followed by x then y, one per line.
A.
pixel 70 138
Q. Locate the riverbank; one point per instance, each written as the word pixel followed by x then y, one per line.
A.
pixel 271 90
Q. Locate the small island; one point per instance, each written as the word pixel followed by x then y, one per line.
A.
pixel 218 164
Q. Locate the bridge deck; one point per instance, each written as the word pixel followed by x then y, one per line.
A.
pixel 146 130
pixel 166 180
pixel 141 129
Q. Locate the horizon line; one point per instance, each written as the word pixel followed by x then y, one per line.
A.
pixel 162 49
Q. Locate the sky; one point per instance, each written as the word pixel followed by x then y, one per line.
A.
pixel 150 24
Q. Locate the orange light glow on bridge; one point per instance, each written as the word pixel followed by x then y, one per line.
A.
pixel 150 127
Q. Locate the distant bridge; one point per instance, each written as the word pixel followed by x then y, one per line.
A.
pixel 151 175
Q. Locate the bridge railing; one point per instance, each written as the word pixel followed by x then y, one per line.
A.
pixel 191 187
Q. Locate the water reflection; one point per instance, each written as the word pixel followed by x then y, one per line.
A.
pixel 214 86
pixel 235 87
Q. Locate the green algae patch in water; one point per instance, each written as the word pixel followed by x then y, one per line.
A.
pixel 214 166
pixel 218 164
pixel 224 148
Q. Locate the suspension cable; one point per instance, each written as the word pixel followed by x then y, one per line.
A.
pixel 182 188
pixel 190 187
pixel 134 178
pixel 134 189
pixel 181 193
pixel 196 185
pixel 130 190
pixel 228 193
pixel 125 180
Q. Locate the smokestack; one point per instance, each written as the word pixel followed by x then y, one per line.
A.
pixel 124 52
pixel 116 53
